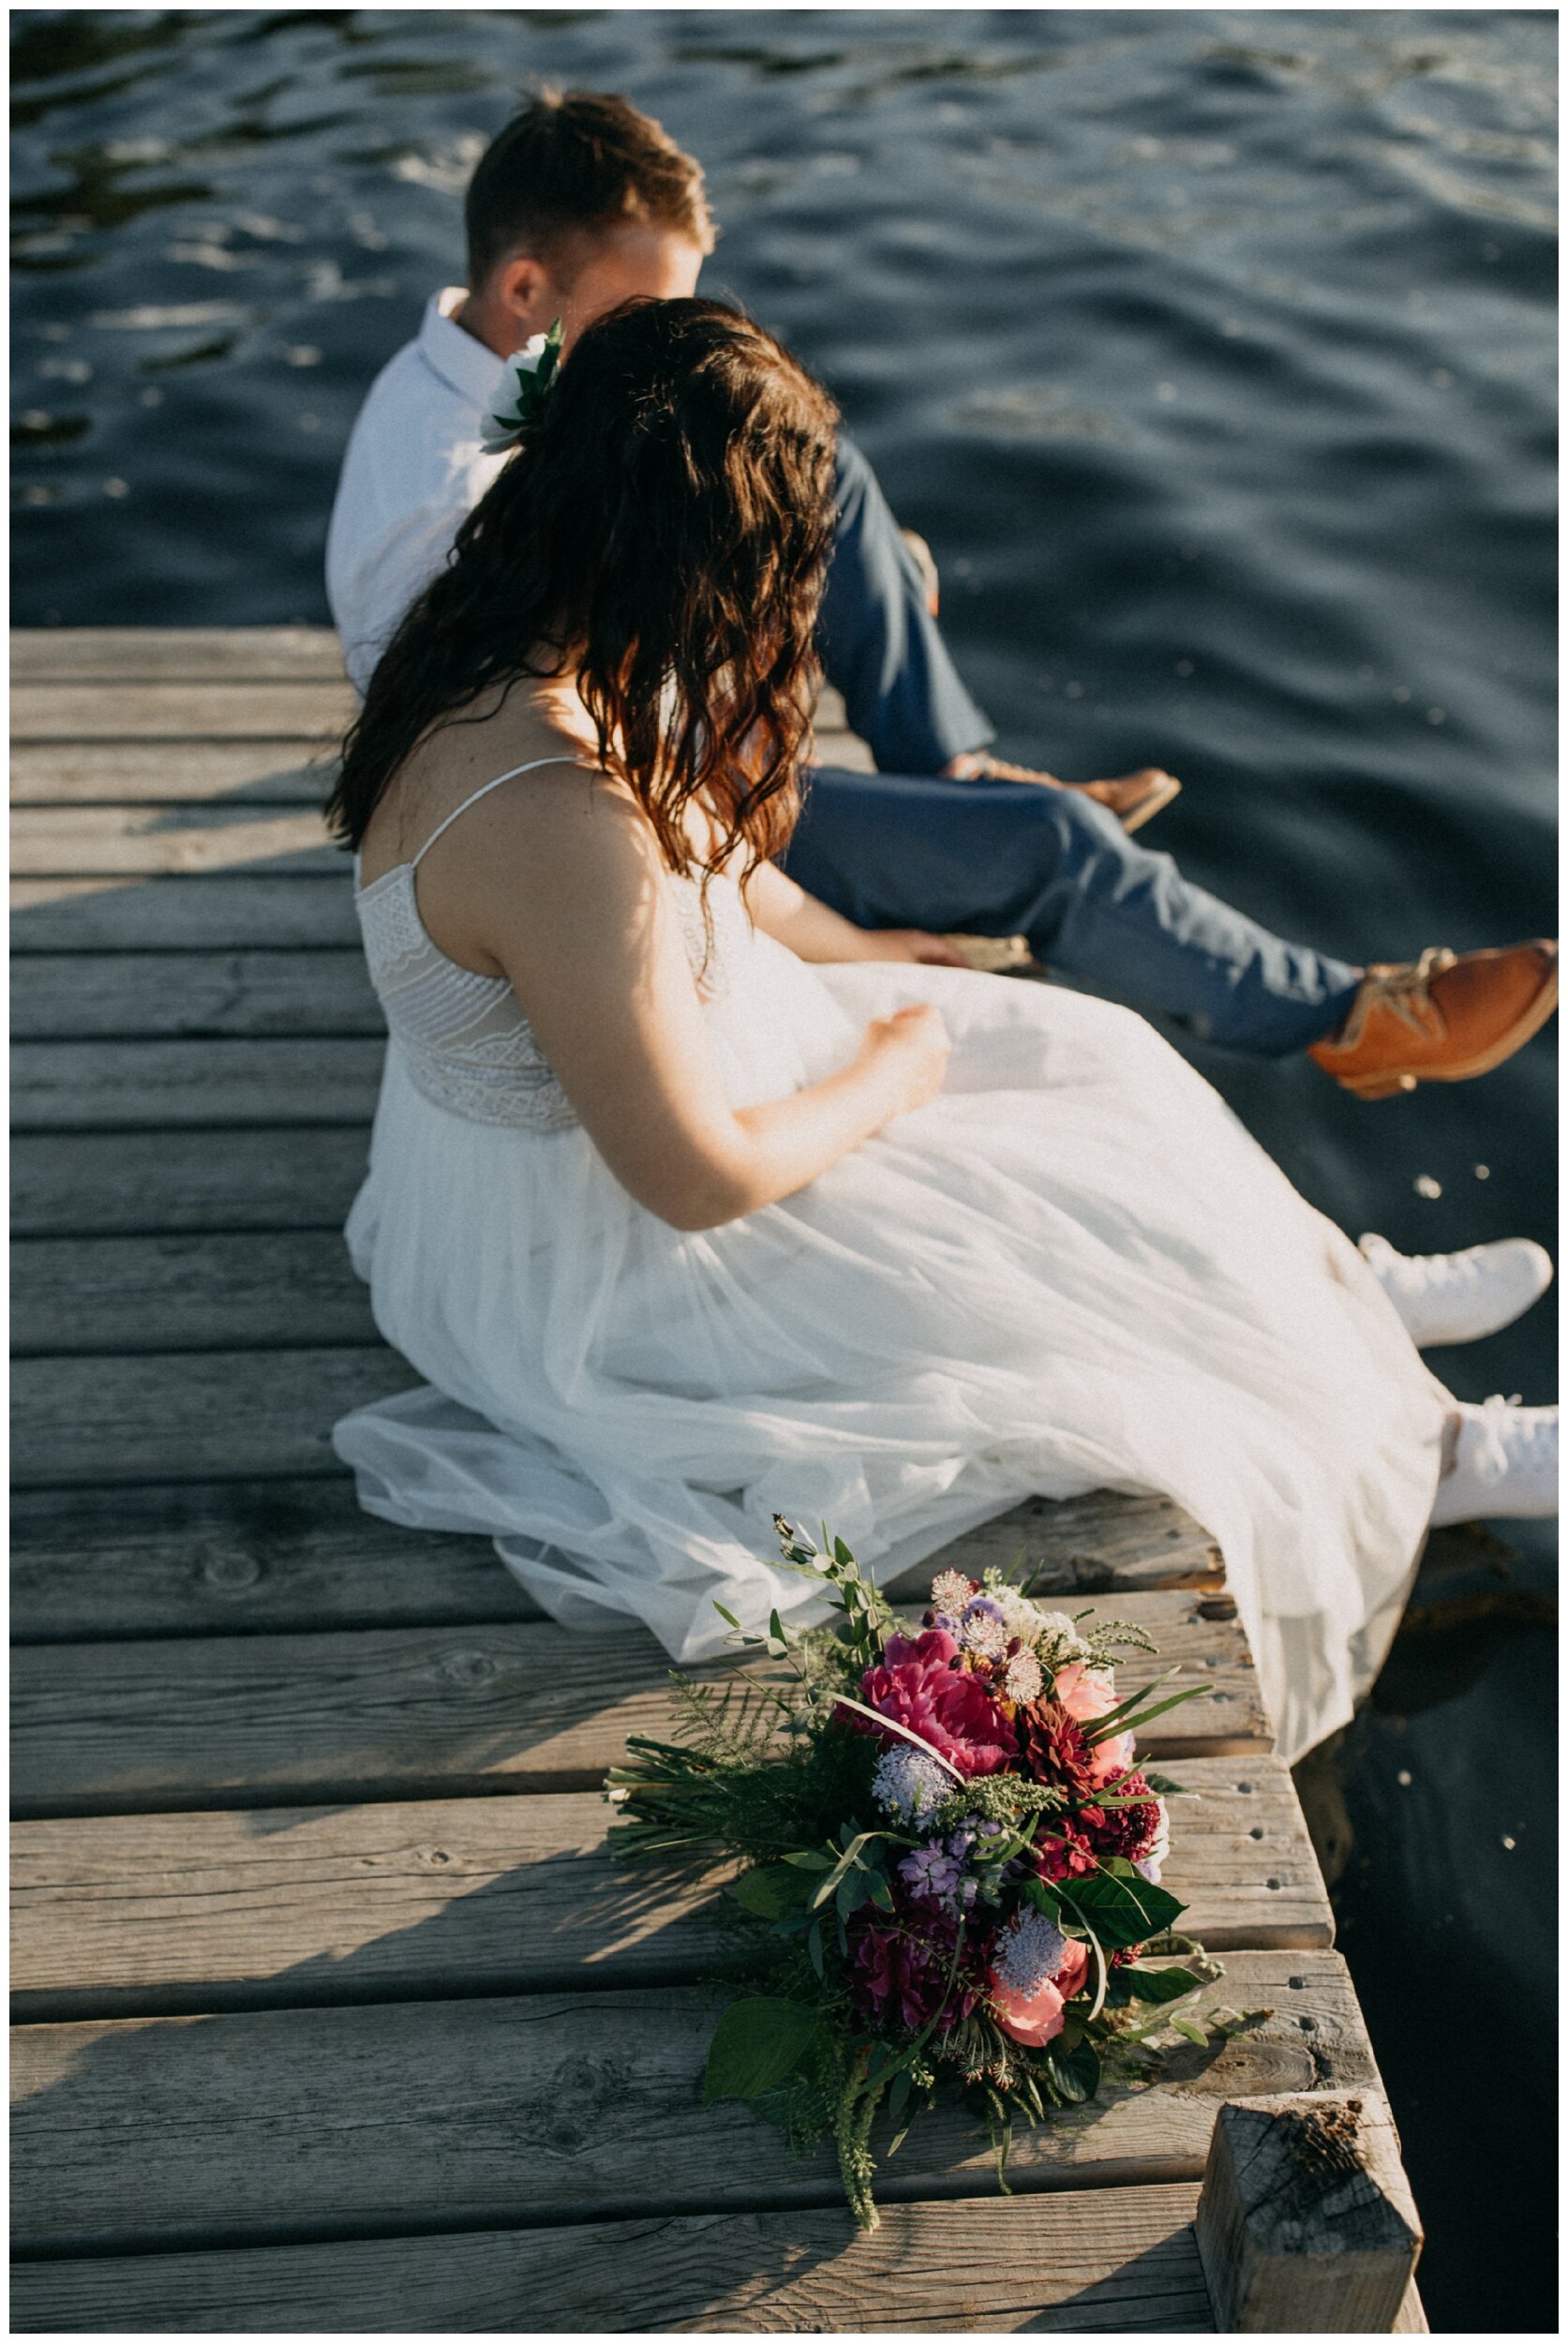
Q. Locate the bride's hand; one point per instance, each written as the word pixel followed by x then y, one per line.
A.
pixel 910 1052
pixel 912 943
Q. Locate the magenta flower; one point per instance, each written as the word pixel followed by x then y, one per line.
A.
pixel 920 1684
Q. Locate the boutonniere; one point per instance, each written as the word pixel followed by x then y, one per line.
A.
pixel 533 372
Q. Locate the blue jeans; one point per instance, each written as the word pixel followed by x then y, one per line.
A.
pixel 901 849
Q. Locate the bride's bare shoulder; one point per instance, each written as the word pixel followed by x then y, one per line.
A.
pixel 524 735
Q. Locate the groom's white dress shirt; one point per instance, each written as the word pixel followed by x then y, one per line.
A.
pixel 412 469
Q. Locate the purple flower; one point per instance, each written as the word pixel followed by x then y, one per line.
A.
pixel 933 1872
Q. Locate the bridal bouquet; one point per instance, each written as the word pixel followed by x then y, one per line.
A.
pixel 951 1860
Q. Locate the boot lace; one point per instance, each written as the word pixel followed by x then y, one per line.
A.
pixel 1406 989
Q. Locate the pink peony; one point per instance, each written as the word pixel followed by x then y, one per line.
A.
pixel 1036 2019
pixel 1113 1756
pixel 1086 1695
pixel 920 1685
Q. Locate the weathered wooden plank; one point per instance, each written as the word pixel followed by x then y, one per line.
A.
pixel 232 911
pixel 199 1416
pixel 281 1288
pixel 209 1085
pixel 228 1414
pixel 212 655
pixel 235 1558
pixel 254 1720
pixel 310 710
pixel 474 2112
pixel 142 1182
pixel 295 1556
pixel 85 996
pixel 258 772
pixel 1116 2261
pixel 304 708
pixel 1088 1543
pixel 207 1911
pixel 170 772
pixel 176 655
pixel 133 841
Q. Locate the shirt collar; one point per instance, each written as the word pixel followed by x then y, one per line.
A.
pixel 470 368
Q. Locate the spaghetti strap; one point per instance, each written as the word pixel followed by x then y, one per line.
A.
pixel 441 828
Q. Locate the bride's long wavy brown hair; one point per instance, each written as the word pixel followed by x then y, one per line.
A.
pixel 662 532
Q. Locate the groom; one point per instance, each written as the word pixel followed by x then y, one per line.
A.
pixel 581 202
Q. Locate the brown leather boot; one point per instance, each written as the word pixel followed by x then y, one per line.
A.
pixel 1442 1019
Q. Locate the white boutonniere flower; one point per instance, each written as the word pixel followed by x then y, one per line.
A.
pixel 532 373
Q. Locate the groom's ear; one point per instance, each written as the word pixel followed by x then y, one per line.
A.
pixel 522 289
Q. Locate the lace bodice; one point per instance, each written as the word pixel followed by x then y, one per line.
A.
pixel 463 1038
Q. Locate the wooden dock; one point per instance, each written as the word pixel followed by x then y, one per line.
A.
pixel 331 2013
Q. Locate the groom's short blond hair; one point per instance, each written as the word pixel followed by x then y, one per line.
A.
pixel 576 160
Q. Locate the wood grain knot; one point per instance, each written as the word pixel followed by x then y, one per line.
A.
pixel 468 1671
pixel 232 1574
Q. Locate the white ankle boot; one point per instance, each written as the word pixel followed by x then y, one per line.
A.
pixel 1504 1465
pixel 1458 1297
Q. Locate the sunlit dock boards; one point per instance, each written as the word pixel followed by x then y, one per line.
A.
pixel 330 2014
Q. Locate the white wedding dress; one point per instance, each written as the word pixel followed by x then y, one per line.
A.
pixel 1074 1269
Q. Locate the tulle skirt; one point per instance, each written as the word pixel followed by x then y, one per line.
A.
pixel 1074 1269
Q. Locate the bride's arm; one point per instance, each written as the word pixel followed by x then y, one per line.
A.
pixel 785 912
pixel 560 886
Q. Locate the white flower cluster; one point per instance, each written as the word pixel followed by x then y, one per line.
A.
pixel 908 1783
pixel 988 1619
pixel 1024 1679
pixel 1030 1952
pixel 950 1591
pixel 980 1630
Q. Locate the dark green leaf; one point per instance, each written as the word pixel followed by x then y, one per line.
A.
pixel 808 1859
pixel 1158 1985
pixel 771 1891
pixel 1121 1912
pixel 757 2044
pixel 1075 2073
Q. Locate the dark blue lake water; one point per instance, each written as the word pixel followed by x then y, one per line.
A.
pixel 1213 354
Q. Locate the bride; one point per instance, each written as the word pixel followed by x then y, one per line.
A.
pixel 693 1202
